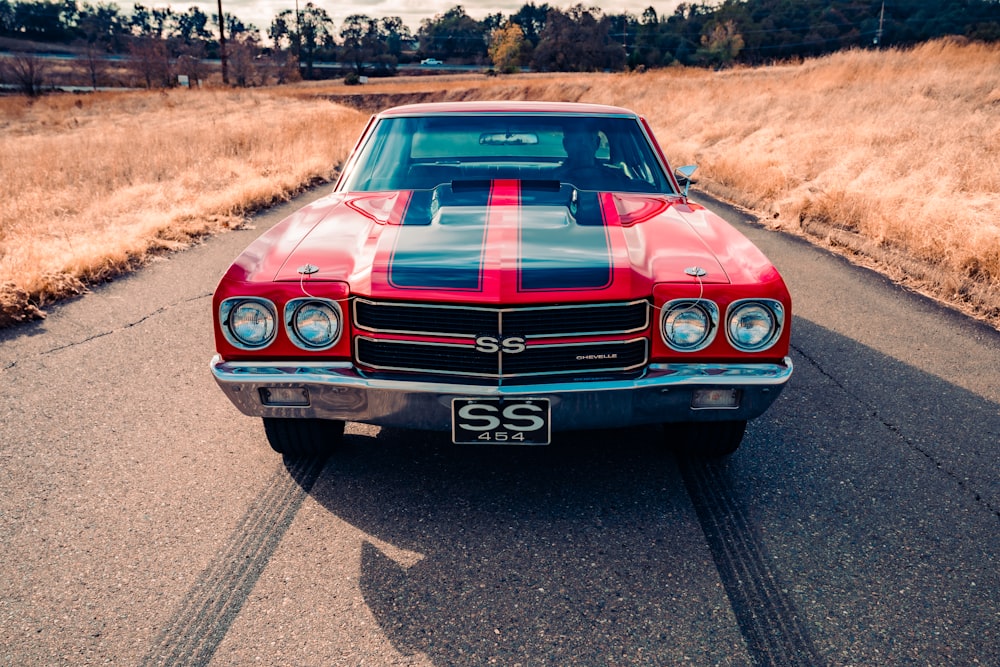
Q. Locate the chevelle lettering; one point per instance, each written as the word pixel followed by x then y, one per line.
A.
pixel 504 271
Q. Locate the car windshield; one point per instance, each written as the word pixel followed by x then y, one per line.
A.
pixel 588 152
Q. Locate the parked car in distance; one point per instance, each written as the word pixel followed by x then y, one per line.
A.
pixel 431 61
pixel 504 271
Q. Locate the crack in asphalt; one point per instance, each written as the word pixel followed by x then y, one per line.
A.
pixel 893 428
pixel 125 327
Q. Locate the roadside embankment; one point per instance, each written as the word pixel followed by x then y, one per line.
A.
pixel 889 157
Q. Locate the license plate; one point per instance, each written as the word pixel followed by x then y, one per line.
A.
pixel 492 421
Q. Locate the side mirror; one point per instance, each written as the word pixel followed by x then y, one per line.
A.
pixel 683 175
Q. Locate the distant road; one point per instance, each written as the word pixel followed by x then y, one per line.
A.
pixel 443 67
pixel 144 521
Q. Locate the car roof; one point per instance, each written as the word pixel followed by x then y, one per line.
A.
pixel 495 106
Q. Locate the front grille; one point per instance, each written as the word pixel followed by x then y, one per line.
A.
pixel 396 355
pixel 429 319
pixel 555 359
pixel 422 320
pixel 576 358
pixel 584 339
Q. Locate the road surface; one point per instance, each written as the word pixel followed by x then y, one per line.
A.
pixel 144 521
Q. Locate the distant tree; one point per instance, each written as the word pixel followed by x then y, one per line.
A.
pixel 698 32
pixel 492 23
pixel 317 34
pixel 453 34
pixel 26 71
pixel 244 50
pixel 646 51
pixel 103 30
pixel 363 41
pixel 531 18
pixel 94 63
pixel 7 22
pixel 622 28
pixel 306 34
pixel 396 35
pixel 190 61
pixel 235 28
pixel 102 25
pixel 164 22
pixel 283 66
pixel 283 32
pixel 140 22
pixel 721 45
pixel 577 40
pixel 44 21
pixel 150 60
pixel 505 48
pixel 192 26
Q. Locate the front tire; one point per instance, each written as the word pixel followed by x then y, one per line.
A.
pixel 303 437
pixel 706 439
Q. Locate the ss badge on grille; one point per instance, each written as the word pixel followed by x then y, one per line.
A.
pixel 492 344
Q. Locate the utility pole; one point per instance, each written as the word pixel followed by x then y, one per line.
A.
pixel 222 45
pixel 298 39
pixel 881 21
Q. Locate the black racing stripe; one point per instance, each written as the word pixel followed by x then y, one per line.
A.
pixel 448 255
pixel 545 265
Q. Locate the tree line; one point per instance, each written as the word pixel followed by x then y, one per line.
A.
pixel 161 43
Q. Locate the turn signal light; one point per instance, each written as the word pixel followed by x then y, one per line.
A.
pixel 719 399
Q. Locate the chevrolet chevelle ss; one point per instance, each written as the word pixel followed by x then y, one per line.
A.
pixel 503 271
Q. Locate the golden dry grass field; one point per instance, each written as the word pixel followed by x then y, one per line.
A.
pixel 892 157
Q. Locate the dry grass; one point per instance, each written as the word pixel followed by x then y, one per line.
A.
pixel 891 156
pixel 92 185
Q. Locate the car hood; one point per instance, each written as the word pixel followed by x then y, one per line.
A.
pixel 495 242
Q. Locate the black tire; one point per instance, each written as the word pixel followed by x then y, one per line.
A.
pixel 303 437
pixel 706 439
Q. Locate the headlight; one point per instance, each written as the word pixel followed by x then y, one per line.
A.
pixel 754 326
pixel 314 324
pixel 689 325
pixel 248 323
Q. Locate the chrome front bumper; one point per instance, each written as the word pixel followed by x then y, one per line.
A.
pixel 665 393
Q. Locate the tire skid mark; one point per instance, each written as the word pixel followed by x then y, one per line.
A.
pixel 193 634
pixel 771 627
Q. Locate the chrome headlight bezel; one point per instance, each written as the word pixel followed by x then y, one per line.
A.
pixel 296 308
pixel 771 309
pixel 262 306
pixel 706 312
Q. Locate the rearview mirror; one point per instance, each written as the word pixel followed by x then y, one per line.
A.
pixel 508 139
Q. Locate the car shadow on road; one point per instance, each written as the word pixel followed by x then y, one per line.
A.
pixel 592 550
pixel 587 551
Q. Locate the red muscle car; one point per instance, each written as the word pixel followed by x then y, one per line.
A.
pixel 503 271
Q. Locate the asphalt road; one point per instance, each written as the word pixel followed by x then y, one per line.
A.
pixel 144 521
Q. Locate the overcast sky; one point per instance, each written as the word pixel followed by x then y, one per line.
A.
pixel 261 12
